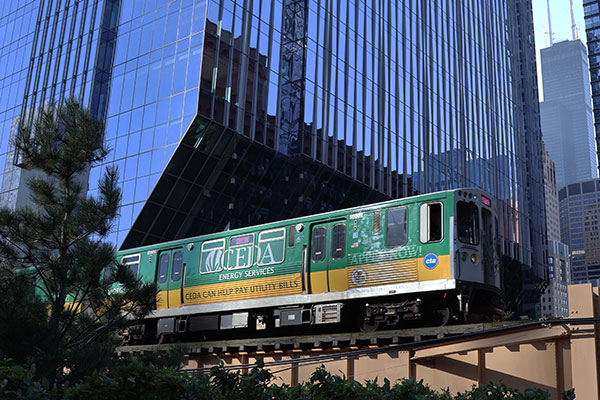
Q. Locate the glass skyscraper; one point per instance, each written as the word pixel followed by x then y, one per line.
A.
pixel 566 112
pixel 580 228
pixel 591 10
pixel 226 113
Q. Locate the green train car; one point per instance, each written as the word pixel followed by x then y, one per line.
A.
pixel 430 257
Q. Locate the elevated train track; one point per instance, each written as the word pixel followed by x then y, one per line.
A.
pixel 330 341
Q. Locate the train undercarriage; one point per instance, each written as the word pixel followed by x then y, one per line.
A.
pixel 471 303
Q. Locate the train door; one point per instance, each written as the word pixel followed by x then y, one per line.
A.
pixel 328 257
pixel 169 278
pixel 468 245
pixel 488 246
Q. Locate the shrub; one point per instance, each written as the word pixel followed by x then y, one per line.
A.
pixel 140 379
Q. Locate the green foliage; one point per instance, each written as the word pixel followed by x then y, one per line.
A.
pixel 23 317
pixel 18 383
pixel 55 248
pixel 171 358
pixel 136 379
pixel 498 391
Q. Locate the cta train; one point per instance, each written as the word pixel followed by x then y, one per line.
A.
pixel 430 259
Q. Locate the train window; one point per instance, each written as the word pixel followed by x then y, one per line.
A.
pixel 338 241
pixel 271 247
pixel 240 251
pixel 163 267
pixel 212 258
pixel 133 263
pixel 177 266
pixel 467 220
pixel 395 227
pixel 318 243
pixel 431 223
pixel 291 235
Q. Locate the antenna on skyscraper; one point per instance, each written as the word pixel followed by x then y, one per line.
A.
pixel 549 21
pixel 574 33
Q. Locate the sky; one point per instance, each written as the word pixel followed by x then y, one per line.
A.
pixel 561 25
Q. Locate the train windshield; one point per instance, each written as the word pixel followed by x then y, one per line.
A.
pixel 468 222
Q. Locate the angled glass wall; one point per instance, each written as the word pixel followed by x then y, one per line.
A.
pixel 311 105
pixel 400 98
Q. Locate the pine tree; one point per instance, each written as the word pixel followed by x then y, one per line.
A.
pixel 58 244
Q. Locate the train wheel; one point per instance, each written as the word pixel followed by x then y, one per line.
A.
pixel 367 326
pixel 439 316
pixel 444 315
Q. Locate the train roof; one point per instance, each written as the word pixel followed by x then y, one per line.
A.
pixel 289 221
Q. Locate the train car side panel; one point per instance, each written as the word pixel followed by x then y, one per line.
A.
pixel 255 264
pixel 433 266
pixel 433 233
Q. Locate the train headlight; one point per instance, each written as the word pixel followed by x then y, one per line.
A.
pixel 473 258
pixel 464 256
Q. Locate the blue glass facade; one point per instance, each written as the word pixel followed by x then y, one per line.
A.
pixel 153 94
pixel 566 111
pixel 580 228
pixel 50 50
pixel 591 10
pixel 224 113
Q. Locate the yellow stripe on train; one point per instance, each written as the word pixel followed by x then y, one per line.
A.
pixel 384 273
pixel 242 290
pixel 387 273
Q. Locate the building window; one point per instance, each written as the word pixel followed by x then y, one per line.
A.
pixel 592 22
pixel 590 9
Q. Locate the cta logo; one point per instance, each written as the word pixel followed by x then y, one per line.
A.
pixel 430 261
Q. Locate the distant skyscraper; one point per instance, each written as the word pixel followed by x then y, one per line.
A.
pixel 554 300
pixel 566 112
pixel 229 113
pixel 551 196
pixel 580 228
